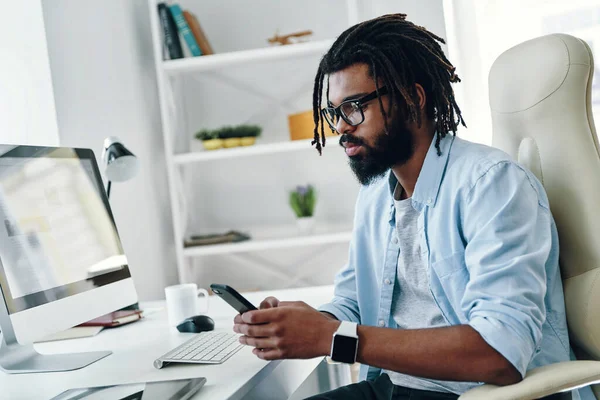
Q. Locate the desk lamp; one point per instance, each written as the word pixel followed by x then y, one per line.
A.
pixel 120 164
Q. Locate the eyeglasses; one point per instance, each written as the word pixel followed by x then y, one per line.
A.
pixel 351 111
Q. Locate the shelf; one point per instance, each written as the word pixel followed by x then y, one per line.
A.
pixel 216 61
pixel 254 150
pixel 268 244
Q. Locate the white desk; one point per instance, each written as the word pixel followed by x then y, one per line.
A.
pixel 137 345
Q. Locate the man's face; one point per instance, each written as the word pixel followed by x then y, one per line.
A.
pixel 371 151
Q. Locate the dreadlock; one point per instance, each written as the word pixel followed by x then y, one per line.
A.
pixel 401 54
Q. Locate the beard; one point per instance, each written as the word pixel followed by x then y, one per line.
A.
pixel 392 149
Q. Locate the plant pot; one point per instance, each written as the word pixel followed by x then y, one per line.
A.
pixel 232 142
pixel 306 225
pixel 247 141
pixel 212 144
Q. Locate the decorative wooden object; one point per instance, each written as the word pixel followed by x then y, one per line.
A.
pixel 285 39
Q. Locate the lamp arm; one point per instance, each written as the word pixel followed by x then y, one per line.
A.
pixel 108 189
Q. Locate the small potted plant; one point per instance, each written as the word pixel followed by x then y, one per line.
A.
pixel 303 201
pixel 229 136
pixel 210 139
pixel 248 134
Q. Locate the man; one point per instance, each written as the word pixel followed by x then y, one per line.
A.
pixel 452 278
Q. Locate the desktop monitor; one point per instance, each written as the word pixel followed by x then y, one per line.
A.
pixel 61 260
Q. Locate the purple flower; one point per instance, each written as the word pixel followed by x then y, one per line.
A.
pixel 302 190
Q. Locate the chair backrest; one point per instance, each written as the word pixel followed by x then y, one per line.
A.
pixel 540 98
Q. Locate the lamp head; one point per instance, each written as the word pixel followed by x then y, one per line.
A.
pixel 120 164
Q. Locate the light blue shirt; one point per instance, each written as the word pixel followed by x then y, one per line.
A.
pixel 491 249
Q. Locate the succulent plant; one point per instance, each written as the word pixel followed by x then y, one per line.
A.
pixel 227 132
pixel 206 134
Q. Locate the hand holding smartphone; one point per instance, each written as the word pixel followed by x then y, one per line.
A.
pixel 232 297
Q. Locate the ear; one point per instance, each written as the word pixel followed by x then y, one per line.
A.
pixel 422 96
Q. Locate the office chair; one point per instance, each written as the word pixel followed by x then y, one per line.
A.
pixel 540 98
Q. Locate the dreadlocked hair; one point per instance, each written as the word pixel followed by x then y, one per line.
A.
pixel 399 54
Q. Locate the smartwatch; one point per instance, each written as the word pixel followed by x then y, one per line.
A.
pixel 345 343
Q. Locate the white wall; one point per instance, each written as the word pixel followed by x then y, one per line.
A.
pixel 27 113
pixel 105 85
pixel 426 13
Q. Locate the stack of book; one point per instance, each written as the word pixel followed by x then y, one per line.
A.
pixel 206 240
pixel 181 26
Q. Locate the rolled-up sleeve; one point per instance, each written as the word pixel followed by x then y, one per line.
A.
pixel 344 305
pixel 509 238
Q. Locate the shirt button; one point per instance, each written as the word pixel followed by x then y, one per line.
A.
pixel 387 281
pixel 395 240
pixel 428 201
pixel 381 322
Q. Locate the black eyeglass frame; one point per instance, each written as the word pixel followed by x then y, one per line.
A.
pixel 359 104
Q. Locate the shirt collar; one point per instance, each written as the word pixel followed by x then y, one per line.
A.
pixel 430 177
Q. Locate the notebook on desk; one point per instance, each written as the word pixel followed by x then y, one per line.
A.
pixel 115 318
pixel 93 327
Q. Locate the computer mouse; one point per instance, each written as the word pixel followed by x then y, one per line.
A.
pixel 196 324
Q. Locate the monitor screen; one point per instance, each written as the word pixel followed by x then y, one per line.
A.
pixel 57 233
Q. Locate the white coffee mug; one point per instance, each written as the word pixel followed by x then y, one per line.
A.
pixel 184 301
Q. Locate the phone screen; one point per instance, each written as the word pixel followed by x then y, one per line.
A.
pixel 232 297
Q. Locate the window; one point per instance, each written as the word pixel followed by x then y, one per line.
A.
pixel 480 30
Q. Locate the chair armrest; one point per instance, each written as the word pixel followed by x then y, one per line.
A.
pixel 542 381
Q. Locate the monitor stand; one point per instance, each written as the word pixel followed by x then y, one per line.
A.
pixel 16 358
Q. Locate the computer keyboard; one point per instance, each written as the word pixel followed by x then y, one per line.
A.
pixel 204 348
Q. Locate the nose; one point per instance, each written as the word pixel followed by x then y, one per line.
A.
pixel 343 127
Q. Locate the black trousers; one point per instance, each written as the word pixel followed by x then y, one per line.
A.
pixel 382 388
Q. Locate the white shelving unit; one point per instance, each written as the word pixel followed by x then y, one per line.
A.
pixel 269 244
pixel 256 150
pixel 172 77
pixel 216 61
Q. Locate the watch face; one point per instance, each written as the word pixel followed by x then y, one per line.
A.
pixel 344 349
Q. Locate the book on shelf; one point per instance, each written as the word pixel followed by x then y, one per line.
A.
pixel 198 33
pixel 184 30
pixel 172 46
pixel 207 240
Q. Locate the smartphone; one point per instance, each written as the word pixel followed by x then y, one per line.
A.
pixel 232 297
